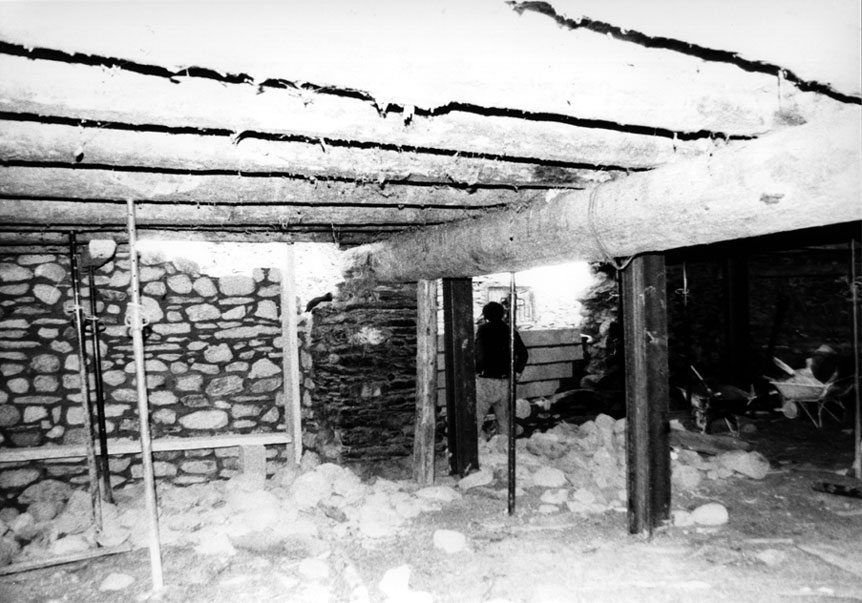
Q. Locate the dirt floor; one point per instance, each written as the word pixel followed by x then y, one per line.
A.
pixel 784 542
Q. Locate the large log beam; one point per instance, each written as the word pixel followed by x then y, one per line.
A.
pixel 40 143
pixel 109 185
pixel 801 177
pixel 83 92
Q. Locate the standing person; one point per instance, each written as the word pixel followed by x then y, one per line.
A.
pixel 492 366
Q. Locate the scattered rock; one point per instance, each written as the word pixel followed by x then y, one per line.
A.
pixel 69 544
pixel 710 514
pixel 681 519
pixel 395 582
pixel 450 541
pixel 549 477
pixel 116 581
pixel 483 477
pixel 685 478
pixel 749 464
pixel 443 494
pixel 771 557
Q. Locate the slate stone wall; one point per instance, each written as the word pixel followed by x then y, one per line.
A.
pixel 213 362
pixel 363 350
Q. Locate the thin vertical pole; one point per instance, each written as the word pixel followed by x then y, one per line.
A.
pixel 136 326
pixel 854 297
pixel 644 314
pixel 425 424
pixel 92 473
pixel 462 433
pixel 290 356
pixel 107 494
pixel 513 311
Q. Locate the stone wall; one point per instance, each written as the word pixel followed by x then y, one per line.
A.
pixel 363 349
pixel 213 362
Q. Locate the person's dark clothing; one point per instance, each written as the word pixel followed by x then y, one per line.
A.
pixel 492 351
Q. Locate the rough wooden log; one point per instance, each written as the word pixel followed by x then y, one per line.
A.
pixel 84 92
pixel 426 383
pixel 28 141
pixel 801 177
pixel 76 213
pixel 524 61
pixel 99 184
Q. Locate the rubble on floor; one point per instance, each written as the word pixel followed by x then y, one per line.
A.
pixel 302 511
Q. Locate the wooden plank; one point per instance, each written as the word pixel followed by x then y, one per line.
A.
pixel 290 356
pixel 425 425
pixel 117 446
pixel 41 143
pixel 188 214
pixel 26 566
pixel 694 202
pixel 460 376
pixel 644 311
pixel 108 185
pixel 84 92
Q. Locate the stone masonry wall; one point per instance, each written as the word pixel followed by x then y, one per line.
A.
pixel 213 362
pixel 363 346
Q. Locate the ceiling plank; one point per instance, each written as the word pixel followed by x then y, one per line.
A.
pixel 57 214
pixel 115 185
pixel 83 92
pixel 32 142
pixel 803 177
pixel 422 55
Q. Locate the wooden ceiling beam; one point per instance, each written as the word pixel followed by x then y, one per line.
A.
pixel 804 177
pixel 83 92
pixel 63 214
pixel 110 185
pixel 39 143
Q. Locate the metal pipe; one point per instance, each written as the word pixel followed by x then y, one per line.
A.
pixel 513 306
pixel 134 320
pixel 105 472
pixel 78 317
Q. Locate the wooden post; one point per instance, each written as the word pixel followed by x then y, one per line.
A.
pixel 136 326
pixel 426 382
pixel 736 327
pixel 513 384
pixel 644 315
pixel 290 357
pixel 460 375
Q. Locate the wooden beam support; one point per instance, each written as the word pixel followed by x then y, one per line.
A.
pixel 109 185
pixel 800 177
pixel 16 212
pixel 460 375
pixel 290 356
pixel 425 426
pixel 47 143
pixel 644 314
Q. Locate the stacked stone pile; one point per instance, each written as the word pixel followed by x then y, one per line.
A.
pixel 583 468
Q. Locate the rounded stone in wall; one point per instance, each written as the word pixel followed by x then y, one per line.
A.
pixel 271 416
pixel 45 363
pixel 236 285
pixel 205 419
pixel 53 272
pixel 62 347
pixel 47 294
pixel 118 464
pixel 17 478
pixel 26 439
pixel 155 365
pixel 218 353
pixel 267 309
pixel 202 312
pixel 162 398
pixel 7 370
pixel 179 368
pixel 125 395
pixel 114 377
pixel 10 273
pixel 45 383
pixel 204 287
pixel 55 432
pixel 264 368
pixel 4 397
pixel 180 283
pixel 18 385
pixel 238 367
pixel 199 467
pixel 9 415
pixel 120 278
pixel 165 416
pixel 34 413
pixel 222 386
pixel 75 415
pixel 156 289
pixel 45 333
pixel 151 309
pixel 190 383
pixel 36 258
pixel 244 424
pixel 151 273
pixel 266 385
pixel 237 313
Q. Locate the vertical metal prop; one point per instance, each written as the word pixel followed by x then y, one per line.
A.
pixel 135 324
pixel 105 474
pixel 513 311
pixel 854 297
pixel 78 312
